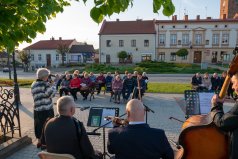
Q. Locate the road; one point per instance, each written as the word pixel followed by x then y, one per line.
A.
pixel 181 78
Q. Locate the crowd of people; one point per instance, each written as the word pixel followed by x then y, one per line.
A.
pixel 213 83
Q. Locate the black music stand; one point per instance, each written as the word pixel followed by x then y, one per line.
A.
pixel 96 119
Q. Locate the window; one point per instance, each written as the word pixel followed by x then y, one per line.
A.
pixel 198 39
pixel 173 39
pixel 146 57
pixel 39 57
pixel 133 43
pixel 109 43
pixel 185 39
pixel 57 57
pixel 215 39
pixel 121 43
pixel 161 39
pixel 173 56
pixel 226 57
pixel 207 42
pixel 184 57
pixel 32 57
pixel 161 56
pixel 225 38
pixel 64 57
pixel 146 43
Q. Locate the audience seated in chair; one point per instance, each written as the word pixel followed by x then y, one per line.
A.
pixel 128 86
pixel 75 86
pixel 86 85
pixel 137 139
pixel 66 135
pixel 101 82
pixel 139 86
pixel 64 86
pixel 117 86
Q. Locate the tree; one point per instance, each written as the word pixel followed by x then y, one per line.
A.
pixel 182 52
pixel 25 59
pixel 62 50
pixel 122 55
pixel 21 20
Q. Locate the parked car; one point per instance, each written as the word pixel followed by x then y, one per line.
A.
pixel 5 69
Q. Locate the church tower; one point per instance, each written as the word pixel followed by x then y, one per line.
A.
pixel 228 9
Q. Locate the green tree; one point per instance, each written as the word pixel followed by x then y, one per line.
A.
pixel 21 20
pixel 62 50
pixel 25 59
pixel 122 55
pixel 182 52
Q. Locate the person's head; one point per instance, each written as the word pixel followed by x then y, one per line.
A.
pixel 129 75
pixel 135 110
pixel 118 77
pixel 215 75
pixel 43 74
pixel 85 75
pixel 234 81
pixel 76 72
pixel 206 75
pixel 126 72
pixel 67 76
pixel 139 75
pixel 75 75
pixel 109 74
pixel 66 106
pixel 144 74
pixel 116 73
pixel 198 75
pixel 101 73
pixel 135 73
pixel 66 72
pixel 91 73
pixel 224 74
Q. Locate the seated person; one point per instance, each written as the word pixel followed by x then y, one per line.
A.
pixel 206 81
pixel 86 84
pixel 101 82
pixel 139 82
pixel 216 82
pixel 117 86
pixel 64 86
pixel 65 134
pixel 197 82
pixel 75 86
pixel 108 80
pixel 138 140
pixel 128 86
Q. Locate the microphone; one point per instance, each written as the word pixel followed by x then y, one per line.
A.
pixel 93 133
pixel 84 108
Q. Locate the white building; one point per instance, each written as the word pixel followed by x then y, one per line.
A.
pixel 137 38
pixel 207 40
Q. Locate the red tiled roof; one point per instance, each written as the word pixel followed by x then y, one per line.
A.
pixel 197 21
pixel 127 27
pixel 48 44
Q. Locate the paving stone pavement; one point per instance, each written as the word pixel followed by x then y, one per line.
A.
pixel 164 106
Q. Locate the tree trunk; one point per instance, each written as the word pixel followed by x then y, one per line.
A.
pixel 8 65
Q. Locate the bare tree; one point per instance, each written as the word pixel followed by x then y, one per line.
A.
pixel 62 50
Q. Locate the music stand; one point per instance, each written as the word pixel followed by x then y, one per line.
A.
pixel 96 119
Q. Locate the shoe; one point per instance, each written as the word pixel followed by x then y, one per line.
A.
pixel 38 145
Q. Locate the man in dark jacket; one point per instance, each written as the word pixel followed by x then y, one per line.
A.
pixel 65 134
pixel 228 122
pixel 138 140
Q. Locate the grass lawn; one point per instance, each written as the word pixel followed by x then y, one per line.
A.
pixel 21 82
pixel 154 87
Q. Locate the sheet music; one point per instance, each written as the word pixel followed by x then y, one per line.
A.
pixel 205 102
pixel 107 112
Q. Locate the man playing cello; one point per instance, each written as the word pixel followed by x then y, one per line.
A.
pixel 228 122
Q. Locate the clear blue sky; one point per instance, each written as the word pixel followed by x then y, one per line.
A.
pixel 75 21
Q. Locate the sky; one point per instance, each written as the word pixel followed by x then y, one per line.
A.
pixel 75 22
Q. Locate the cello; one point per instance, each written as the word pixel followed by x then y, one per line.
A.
pixel 200 137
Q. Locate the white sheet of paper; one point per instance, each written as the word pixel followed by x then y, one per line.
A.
pixel 205 102
pixel 107 112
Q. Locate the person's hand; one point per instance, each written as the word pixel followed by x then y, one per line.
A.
pixel 216 99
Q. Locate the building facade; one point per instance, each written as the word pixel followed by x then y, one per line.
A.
pixel 207 40
pixel 137 38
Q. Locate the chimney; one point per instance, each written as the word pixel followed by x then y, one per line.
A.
pixel 60 38
pixel 224 16
pixel 52 38
pixel 185 17
pixel 209 18
pixel 118 20
pixel 198 17
pixel 175 17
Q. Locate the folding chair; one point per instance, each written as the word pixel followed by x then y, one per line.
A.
pixel 48 155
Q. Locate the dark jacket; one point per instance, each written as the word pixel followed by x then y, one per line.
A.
pixel 196 81
pixel 128 84
pixel 60 136
pixel 139 142
pixel 142 84
pixel 216 83
pixel 228 122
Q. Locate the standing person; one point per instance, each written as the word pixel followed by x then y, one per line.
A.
pixel 42 94
pixel 128 86
pixel 64 86
pixel 117 86
pixel 137 140
pixel 227 122
pixel 65 134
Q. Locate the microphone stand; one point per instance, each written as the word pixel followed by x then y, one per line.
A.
pixel 147 109
pixel 104 136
